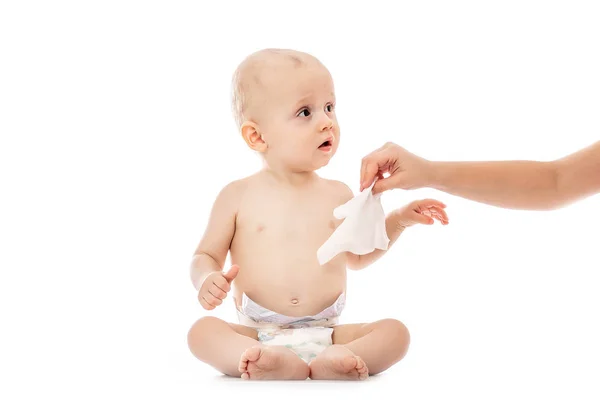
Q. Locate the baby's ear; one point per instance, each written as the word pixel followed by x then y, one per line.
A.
pixel 253 137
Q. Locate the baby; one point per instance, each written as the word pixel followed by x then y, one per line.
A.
pixel 273 222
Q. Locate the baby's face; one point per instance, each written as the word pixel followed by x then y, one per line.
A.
pixel 297 117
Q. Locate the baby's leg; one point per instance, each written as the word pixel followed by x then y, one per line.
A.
pixel 235 351
pixel 361 349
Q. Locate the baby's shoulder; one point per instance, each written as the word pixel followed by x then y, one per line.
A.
pixel 232 192
pixel 239 187
pixel 339 189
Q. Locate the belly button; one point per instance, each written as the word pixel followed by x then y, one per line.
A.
pixel 294 301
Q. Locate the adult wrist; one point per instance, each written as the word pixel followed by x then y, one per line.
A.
pixel 434 175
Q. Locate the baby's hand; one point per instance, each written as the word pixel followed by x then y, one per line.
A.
pixel 421 212
pixel 215 287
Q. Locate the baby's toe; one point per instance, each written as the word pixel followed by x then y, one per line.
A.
pixel 243 366
pixel 348 363
pixel 252 354
pixel 361 367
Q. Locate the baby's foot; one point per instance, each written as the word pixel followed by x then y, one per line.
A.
pixel 338 363
pixel 272 362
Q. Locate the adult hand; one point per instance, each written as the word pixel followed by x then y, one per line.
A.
pixel 407 171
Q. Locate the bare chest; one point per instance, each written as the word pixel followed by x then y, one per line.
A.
pixel 288 217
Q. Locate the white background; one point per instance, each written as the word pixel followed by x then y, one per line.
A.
pixel 116 136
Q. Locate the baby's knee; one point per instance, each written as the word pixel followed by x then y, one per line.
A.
pixel 397 335
pixel 199 332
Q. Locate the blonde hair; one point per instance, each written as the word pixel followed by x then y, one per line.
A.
pixel 247 77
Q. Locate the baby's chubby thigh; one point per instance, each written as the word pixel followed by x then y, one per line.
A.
pixel 204 330
pixel 220 343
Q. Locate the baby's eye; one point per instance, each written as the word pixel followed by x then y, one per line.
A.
pixel 329 107
pixel 305 112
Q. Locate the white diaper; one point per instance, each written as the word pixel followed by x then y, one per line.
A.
pixel 306 336
pixel 307 343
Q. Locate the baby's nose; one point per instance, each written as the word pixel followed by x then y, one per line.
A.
pixel 326 123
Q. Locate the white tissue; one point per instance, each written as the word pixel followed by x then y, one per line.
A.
pixel 361 232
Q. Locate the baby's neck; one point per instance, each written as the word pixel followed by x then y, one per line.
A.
pixel 289 177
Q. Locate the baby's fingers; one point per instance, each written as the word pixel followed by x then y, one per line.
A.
pixel 221 283
pixel 423 218
pixel 217 291
pixel 205 304
pixel 430 203
pixel 212 300
pixel 439 214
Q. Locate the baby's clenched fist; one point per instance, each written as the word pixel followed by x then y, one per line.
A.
pixel 215 287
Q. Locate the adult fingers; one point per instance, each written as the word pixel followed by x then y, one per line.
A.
pixel 375 163
pixel 368 171
pixel 384 184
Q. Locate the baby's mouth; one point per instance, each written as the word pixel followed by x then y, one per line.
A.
pixel 326 143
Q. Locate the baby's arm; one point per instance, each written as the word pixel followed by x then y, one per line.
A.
pixel 212 250
pixel 417 212
pixel 392 226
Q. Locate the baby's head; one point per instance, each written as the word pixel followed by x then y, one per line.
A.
pixel 284 105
